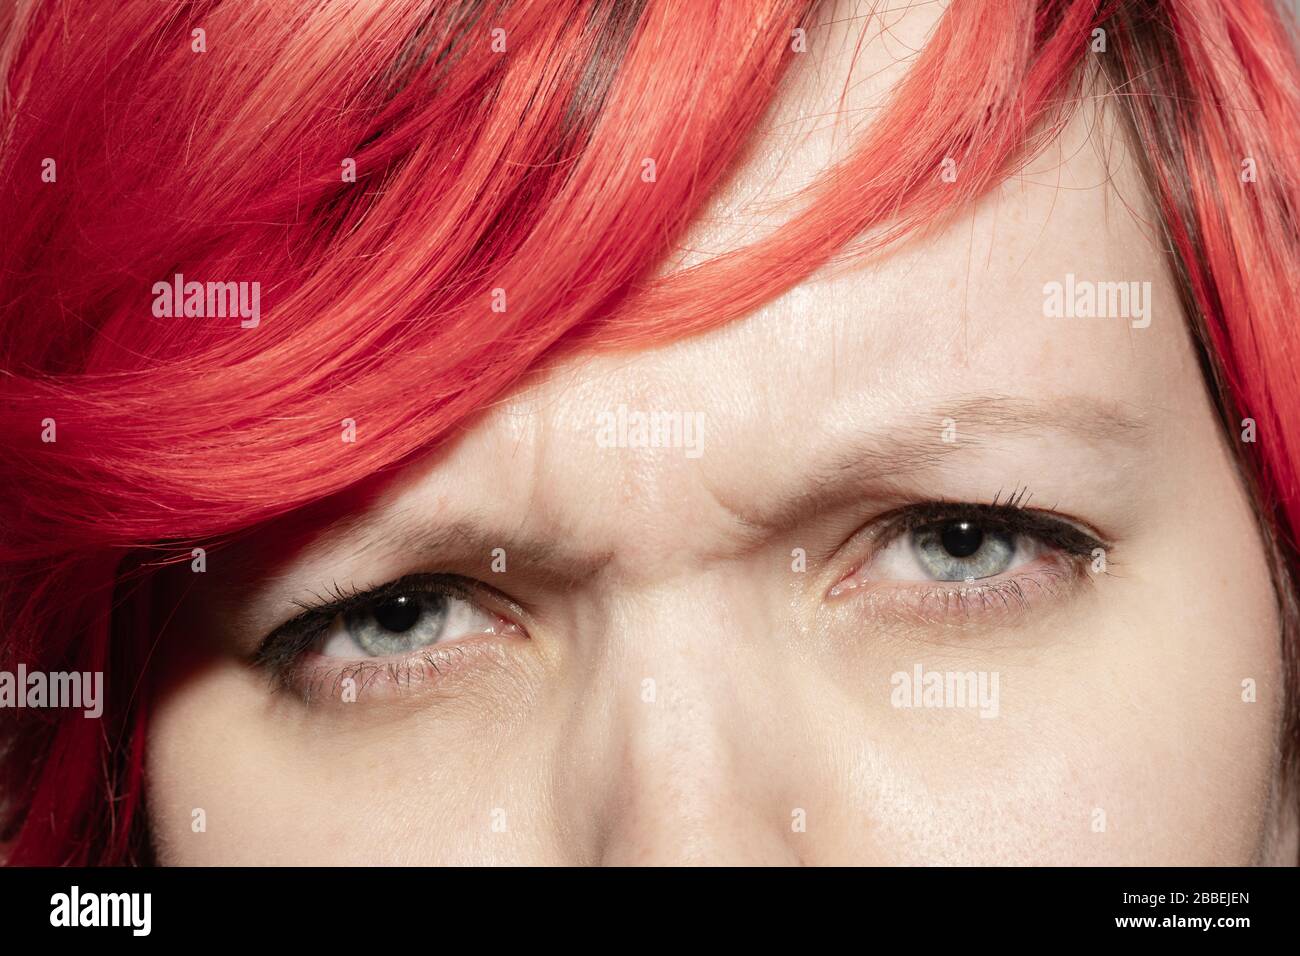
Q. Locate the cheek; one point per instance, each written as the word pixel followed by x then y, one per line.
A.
pixel 1202 683
pixel 1140 760
pixel 280 785
pixel 1138 726
pixel 211 752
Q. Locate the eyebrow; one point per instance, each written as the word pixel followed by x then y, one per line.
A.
pixel 881 457
pixel 875 458
pixel 471 539
pixel 463 545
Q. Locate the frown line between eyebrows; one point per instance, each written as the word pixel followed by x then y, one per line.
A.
pixel 878 456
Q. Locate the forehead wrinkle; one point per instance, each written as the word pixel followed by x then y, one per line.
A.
pixel 856 465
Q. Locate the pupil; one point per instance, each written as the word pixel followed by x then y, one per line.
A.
pixel 961 539
pixel 397 614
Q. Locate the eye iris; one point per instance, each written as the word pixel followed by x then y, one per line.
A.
pixel 398 624
pixel 958 549
pixel 961 539
pixel 397 614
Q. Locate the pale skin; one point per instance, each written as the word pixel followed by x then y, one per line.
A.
pixel 661 680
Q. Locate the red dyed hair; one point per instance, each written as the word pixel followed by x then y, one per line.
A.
pixel 479 170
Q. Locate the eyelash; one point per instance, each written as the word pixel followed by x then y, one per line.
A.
pixel 961 600
pixel 282 652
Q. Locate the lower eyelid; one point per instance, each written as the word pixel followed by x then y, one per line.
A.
pixel 323 681
pixel 987 600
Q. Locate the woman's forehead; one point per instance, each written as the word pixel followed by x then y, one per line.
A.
pixel 1049 290
pixel 854 379
pixel 847 384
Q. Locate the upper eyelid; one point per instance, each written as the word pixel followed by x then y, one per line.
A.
pixel 1012 517
pixel 344 602
pixel 296 634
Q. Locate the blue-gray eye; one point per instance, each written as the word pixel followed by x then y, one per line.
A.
pixel 401 623
pixel 959 549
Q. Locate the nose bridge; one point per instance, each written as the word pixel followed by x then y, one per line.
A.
pixel 689 781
